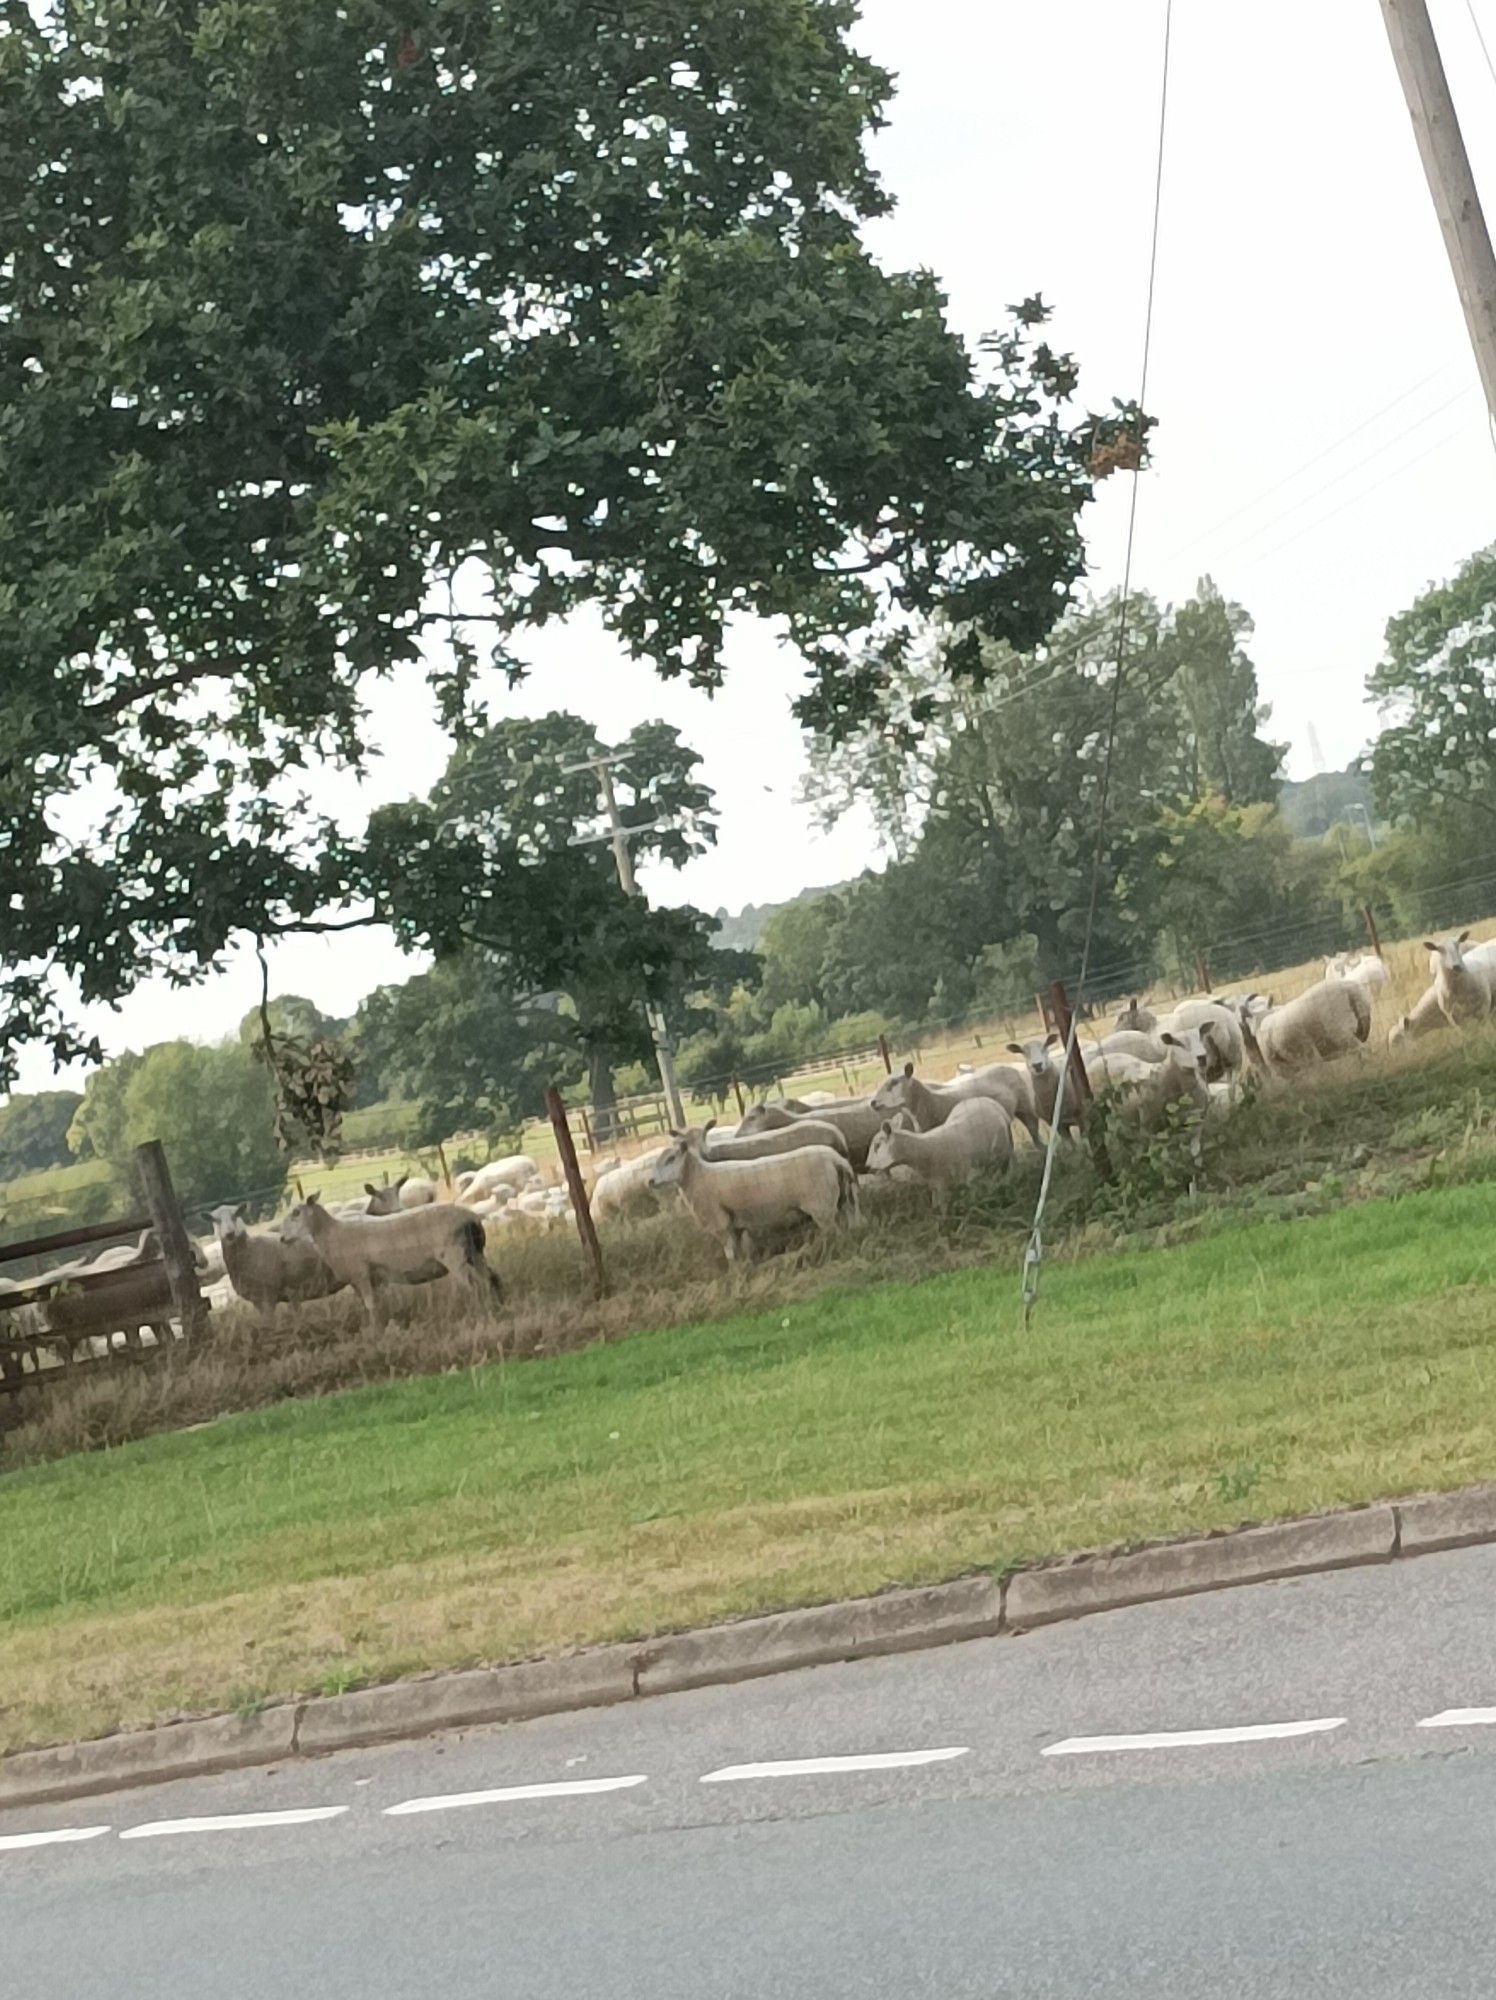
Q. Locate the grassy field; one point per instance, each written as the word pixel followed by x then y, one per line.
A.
pixel 860 1438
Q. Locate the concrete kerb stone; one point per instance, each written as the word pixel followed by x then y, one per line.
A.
pixel 971 1607
pixel 465 1700
pixel 1084 1584
pixel 149 1756
pixel 1446 1520
pixel 897 1621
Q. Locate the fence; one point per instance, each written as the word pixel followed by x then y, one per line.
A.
pixel 46 1321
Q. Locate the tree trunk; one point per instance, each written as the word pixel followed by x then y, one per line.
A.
pixel 604 1099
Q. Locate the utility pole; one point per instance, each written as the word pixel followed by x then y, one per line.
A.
pixel 1451 183
pixel 619 837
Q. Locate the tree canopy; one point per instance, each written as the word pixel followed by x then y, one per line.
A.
pixel 213 1106
pixel 333 341
pixel 34 1131
pixel 509 859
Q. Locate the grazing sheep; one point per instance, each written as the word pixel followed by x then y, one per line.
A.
pixel 265 1269
pixel 412 1248
pixel 1465 981
pixel 1113 1072
pixel 764 1145
pixel 1330 1020
pixel 1044 1081
pixel 1225 1046
pixel 931 1104
pixel 977 1134
pixel 856 1122
pixel 627 1191
pixel 1136 1019
pixel 1181 1079
pixel 734 1199
pixel 815 1100
pixel 1427 1018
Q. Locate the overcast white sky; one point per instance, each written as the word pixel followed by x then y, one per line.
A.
pixel 1322 448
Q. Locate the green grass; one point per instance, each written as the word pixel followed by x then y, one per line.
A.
pixel 854 1440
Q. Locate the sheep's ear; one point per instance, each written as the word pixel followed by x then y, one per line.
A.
pixel 909 1069
pixel 1173 1041
pixel 314 1199
pixel 707 1127
pixel 401 1182
pixel 1051 1040
pixel 1017 1049
pixel 886 1127
pixel 369 1188
pixel 241 1213
pixel 1429 945
pixel 1463 938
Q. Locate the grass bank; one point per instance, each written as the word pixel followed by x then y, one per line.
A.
pixel 856 1439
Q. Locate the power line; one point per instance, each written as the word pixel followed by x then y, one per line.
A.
pixel 1480 37
pixel 1034 1253
pixel 1308 466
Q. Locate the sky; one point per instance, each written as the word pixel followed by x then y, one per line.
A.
pixel 1322 448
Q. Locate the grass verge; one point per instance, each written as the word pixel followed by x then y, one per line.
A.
pixel 855 1439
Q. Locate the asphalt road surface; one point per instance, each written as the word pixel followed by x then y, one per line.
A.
pixel 1287 1790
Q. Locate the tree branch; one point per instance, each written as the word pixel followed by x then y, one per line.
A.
pixel 127 697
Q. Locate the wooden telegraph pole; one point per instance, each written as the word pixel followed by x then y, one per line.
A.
pixel 1451 183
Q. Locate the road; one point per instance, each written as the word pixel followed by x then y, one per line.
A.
pixel 982 1840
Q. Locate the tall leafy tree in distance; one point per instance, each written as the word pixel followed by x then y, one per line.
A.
pixel 1436 686
pixel 328 332
pixel 506 859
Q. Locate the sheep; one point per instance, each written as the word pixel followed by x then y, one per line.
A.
pixel 1464 980
pixel 627 1190
pixel 856 1122
pixel 733 1199
pixel 1181 1079
pixel 385 1200
pixel 931 1104
pixel 977 1134
pixel 1132 1042
pixel 814 1100
pixel 1367 970
pixel 515 1170
pixel 1330 1020
pixel 1225 1047
pixel 412 1248
pixel 1136 1019
pixel 268 1270
pixel 1427 1018
pixel 1044 1081
pixel 789 1138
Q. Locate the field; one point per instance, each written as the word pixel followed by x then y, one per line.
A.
pixel 857 1439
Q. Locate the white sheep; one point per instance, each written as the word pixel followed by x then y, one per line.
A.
pixel 718 1145
pixel 977 1134
pixel 1182 1079
pixel 856 1122
pixel 627 1191
pixel 1225 1046
pixel 515 1170
pixel 1426 1017
pixel 1044 1080
pixel 931 1104
pixel 816 1100
pixel 1330 1020
pixel 1132 1042
pixel 735 1199
pixel 412 1248
pixel 1136 1018
pixel 1465 981
pixel 265 1269
pixel 1367 970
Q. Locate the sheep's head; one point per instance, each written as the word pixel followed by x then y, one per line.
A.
pixel 384 1200
pixel 229 1220
pixel 1036 1053
pixel 894 1091
pixel 297 1226
pixel 880 1149
pixel 1448 956
pixel 1137 1017
pixel 763 1118
pixel 1187 1050
pixel 669 1167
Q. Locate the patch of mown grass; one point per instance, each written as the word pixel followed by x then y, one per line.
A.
pixel 851 1440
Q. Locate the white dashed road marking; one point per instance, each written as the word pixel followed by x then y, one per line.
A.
pixel 574 1788
pixel 231 1822
pixel 1459 1718
pixel 60 1834
pixel 814 1767
pixel 1191 1739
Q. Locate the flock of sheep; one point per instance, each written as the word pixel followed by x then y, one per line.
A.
pixel 797 1162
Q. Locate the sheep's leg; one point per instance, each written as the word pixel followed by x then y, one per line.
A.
pixel 371 1298
pixel 1030 1125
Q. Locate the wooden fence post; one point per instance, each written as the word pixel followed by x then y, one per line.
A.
pixel 737 1091
pixel 441 1154
pixel 171 1233
pixel 1080 1083
pixel 1371 929
pixel 1202 971
pixel 1046 1020
pixel 587 1131
pixel 576 1187
pixel 883 1051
